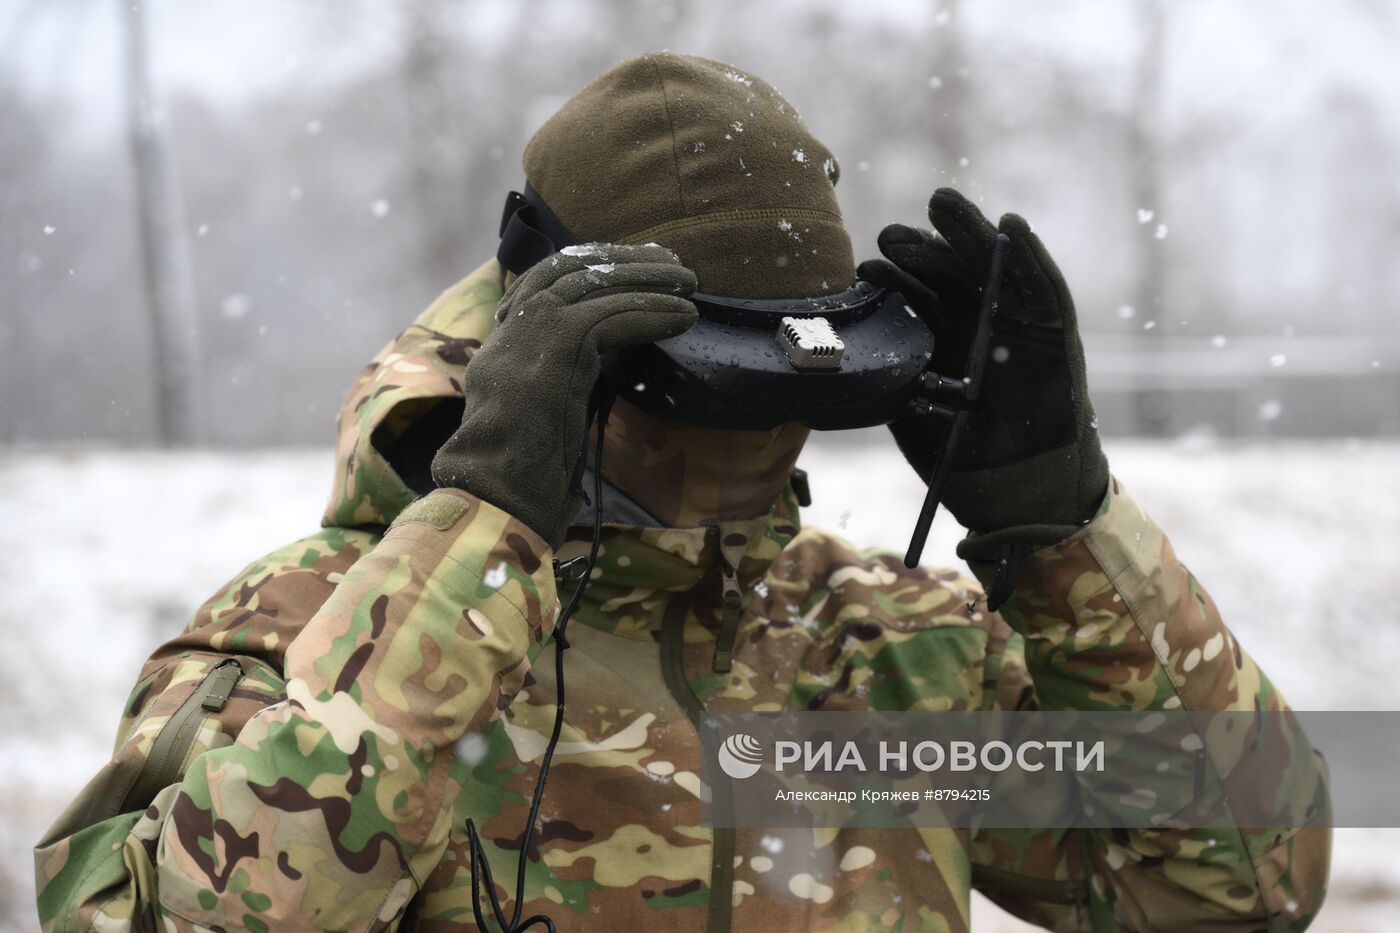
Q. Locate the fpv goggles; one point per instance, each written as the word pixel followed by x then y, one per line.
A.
pixel 849 360
pixel 855 359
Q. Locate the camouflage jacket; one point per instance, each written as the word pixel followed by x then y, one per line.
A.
pixel 305 754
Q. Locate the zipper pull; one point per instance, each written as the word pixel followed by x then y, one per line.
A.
pixel 733 605
pixel 571 570
pixel 220 685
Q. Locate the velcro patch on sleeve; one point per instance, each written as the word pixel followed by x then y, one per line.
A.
pixel 438 509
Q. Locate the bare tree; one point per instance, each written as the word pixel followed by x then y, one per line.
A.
pixel 955 94
pixel 165 259
pixel 1153 406
pixel 434 158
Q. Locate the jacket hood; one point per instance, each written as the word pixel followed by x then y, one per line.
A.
pixel 414 380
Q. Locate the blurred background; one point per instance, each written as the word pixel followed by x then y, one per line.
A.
pixel 212 215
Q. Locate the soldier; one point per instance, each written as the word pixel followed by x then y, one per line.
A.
pixel 307 754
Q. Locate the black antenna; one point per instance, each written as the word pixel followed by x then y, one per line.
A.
pixel 955 399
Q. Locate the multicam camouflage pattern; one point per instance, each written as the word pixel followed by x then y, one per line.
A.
pixel 388 695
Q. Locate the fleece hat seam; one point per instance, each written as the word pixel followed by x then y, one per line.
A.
pixel 671 127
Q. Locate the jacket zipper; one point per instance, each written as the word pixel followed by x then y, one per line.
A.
pixel 170 747
pixel 672 647
pixel 1040 889
pixel 732 609
pixel 721 906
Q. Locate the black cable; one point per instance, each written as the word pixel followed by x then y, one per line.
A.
pixel 478 854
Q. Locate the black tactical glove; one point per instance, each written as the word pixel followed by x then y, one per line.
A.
pixel 527 389
pixel 1029 469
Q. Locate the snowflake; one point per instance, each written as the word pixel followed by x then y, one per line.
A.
pixel 496 576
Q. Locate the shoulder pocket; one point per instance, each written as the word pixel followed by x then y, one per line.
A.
pixel 202 701
pixel 178 743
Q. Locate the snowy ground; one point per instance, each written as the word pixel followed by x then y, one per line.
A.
pixel 110 551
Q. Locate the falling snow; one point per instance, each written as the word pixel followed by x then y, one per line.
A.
pixel 472 749
pixel 235 307
pixel 495 577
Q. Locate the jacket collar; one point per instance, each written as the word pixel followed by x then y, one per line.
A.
pixel 642 567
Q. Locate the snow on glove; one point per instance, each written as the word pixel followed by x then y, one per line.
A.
pixel 527 389
pixel 1029 469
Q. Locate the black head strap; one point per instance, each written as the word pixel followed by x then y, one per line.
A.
pixel 529 231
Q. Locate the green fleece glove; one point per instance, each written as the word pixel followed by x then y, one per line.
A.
pixel 1029 470
pixel 527 389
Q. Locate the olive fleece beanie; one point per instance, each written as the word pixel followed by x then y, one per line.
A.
pixel 705 159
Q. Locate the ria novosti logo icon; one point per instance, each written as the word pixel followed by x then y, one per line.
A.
pixel 741 756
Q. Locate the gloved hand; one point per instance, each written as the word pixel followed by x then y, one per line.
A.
pixel 528 387
pixel 1029 469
